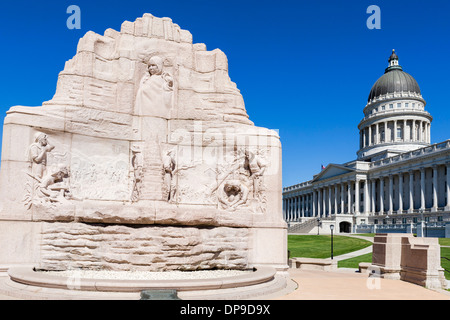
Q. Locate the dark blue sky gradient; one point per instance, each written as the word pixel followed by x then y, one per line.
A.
pixel 303 67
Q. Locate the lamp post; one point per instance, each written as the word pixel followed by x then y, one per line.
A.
pixel 422 223
pixel 319 223
pixel 331 228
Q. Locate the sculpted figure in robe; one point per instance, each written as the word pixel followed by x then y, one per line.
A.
pixel 154 96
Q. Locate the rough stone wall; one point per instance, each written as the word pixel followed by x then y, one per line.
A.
pixel 149 248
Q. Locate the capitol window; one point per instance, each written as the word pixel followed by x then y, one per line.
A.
pixel 383 107
pixel 406 105
pixel 399 105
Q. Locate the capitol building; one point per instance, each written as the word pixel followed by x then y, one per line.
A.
pixel 399 182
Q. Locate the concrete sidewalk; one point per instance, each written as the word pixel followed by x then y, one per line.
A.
pixel 350 285
pixel 343 285
pixel 353 254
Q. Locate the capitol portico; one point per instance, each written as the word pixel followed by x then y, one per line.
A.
pixel 398 181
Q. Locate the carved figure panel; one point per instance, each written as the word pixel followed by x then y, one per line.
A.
pixel 154 96
pixel 100 169
pixel 47 180
pixel 241 183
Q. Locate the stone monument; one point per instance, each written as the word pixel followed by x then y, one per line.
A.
pixel 145 159
pixel 404 257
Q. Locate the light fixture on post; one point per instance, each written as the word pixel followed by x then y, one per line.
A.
pixel 331 228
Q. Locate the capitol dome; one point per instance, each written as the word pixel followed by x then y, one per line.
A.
pixel 395 119
pixel 394 80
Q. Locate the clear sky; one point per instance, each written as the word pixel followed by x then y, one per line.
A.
pixel 304 68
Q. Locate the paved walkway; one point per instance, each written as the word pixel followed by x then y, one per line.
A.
pixel 349 285
pixel 344 284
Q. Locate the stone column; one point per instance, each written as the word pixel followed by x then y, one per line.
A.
pixel 288 212
pixel 313 204
pixel 342 198
pixel 370 135
pixel 422 188
pixel 447 203
pixel 404 130
pixel 381 195
pixel 400 193
pixel 292 209
pixel 377 132
pixel 309 207
pixel 329 200
pixel 356 197
pixel 349 197
pixel 391 193
pixel 319 202
pixel 435 184
pixel 366 196
pixel 302 204
pixel 394 138
pixel 373 196
pixel 411 191
pixel 288 203
pixel 420 131
pixel 335 199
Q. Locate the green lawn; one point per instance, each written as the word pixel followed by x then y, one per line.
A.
pixel 354 262
pixel 319 246
pixel 445 252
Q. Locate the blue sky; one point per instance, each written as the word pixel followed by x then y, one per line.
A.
pixel 304 68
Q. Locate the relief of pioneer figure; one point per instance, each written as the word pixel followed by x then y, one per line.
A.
pixel 241 183
pixel 37 154
pixel 137 161
pixel 154 96
pixel 45 184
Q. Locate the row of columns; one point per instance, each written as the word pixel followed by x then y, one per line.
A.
pixel 410 193
pixel 327 200
pixel 374 196
pixel 419 131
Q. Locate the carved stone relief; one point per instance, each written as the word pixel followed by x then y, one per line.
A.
pixel 100 169
pixel 137 162
pixel 155 93
pixel 241 183
pixel 48 176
